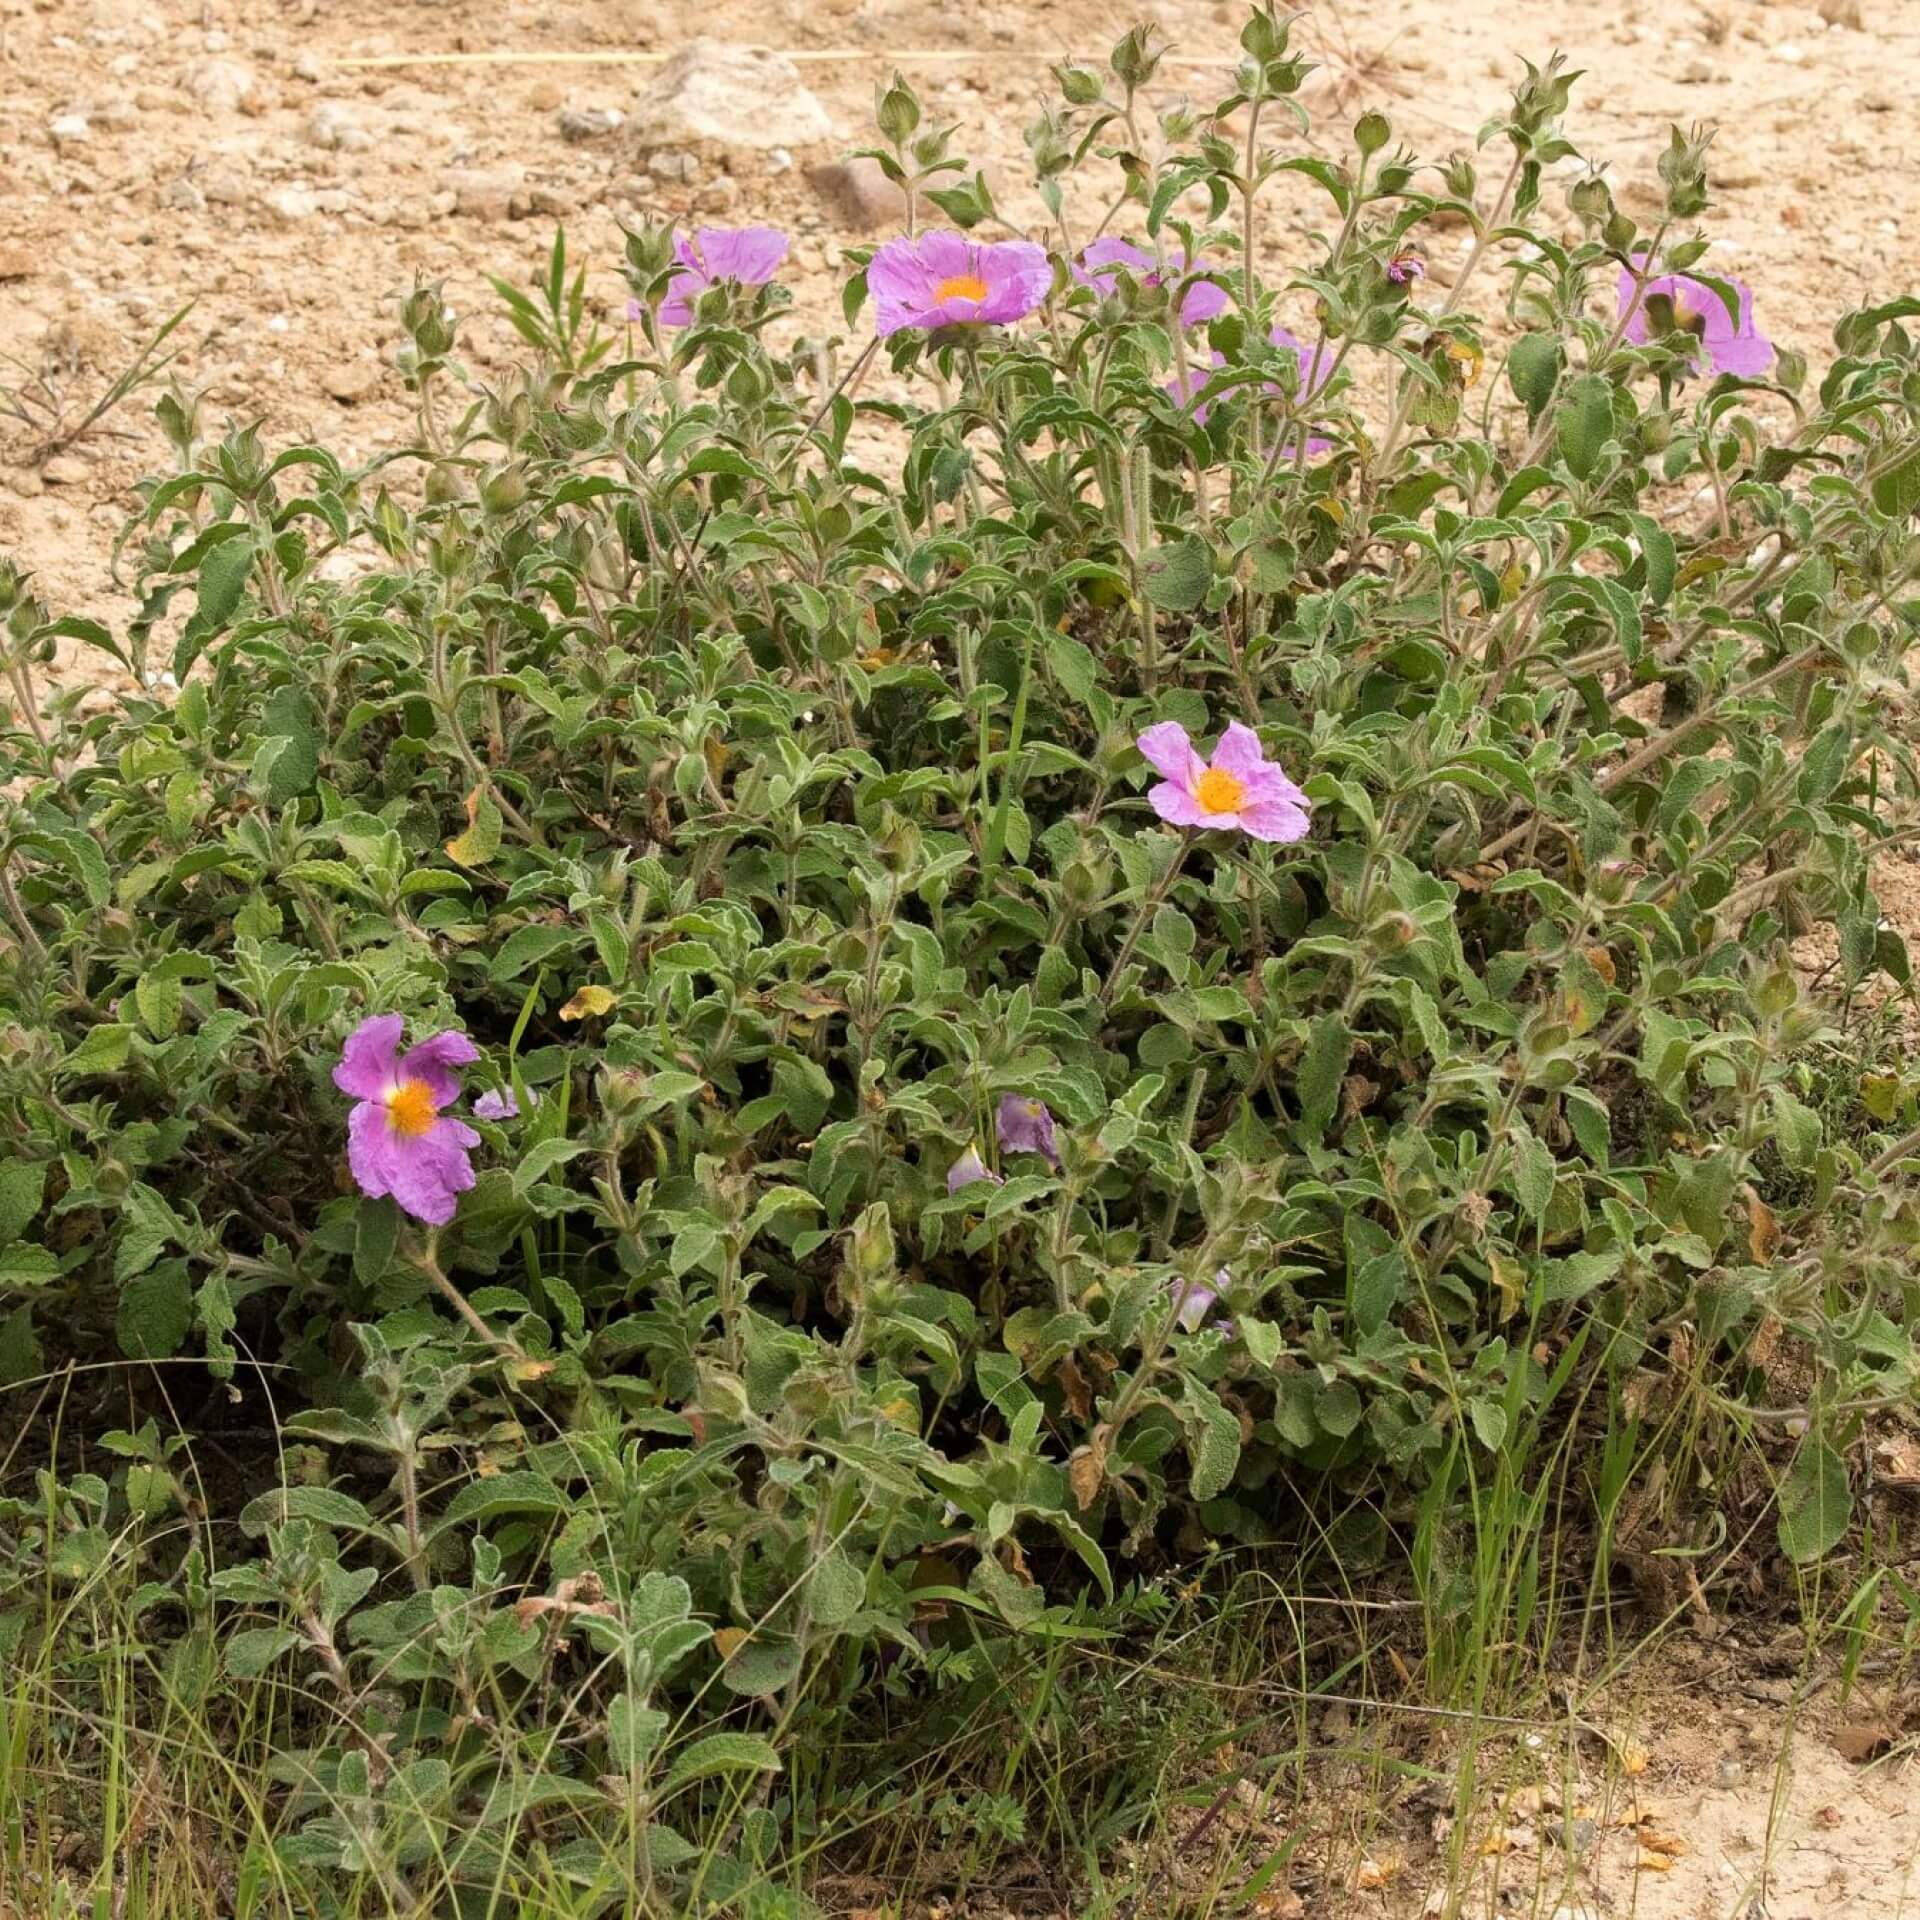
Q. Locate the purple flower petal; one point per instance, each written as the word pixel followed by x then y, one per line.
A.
pixel 943 279
pixel 750 255
pixel 1026 1126
pixel 422 1172
pixel 1178 808
pixel 433 1060
pixel 367 1064
pixel 497 1103
pixel 968 1169
pixel 1168 749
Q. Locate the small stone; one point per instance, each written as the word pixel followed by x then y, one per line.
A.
pixel 1578 1834
pixel 307 67
pixel 335 127
pixel 1842 13
pixel 680 168
pixel 17 263
pixel 293 203
pixel 26 482
pixel 543 203
pixel 225 189
pixel 720 196
pixel 113 111
pixel 184 197
pixel 578 124
pixel 544 96
pixel 1729 1775
pixel 860 197
pixel 1699 74
pixel 1790 54
pixel 65 470
pixel 69 129
pixel 221 86
pixel 482 196
pixel 353 382
pixel 731 98
pixel 123 64
pixel 154 100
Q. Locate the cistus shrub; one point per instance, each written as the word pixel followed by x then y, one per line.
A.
pixel 1147 898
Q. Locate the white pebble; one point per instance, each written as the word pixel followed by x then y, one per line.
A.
pixel 278 323
pixel 69 128
pixel 1788 54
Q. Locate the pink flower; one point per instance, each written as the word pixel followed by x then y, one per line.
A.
pixel 970 1168
pixel 1405 268
pixel 750 255
pixel 498 1103
pixel 1096 266
pixel 1316 369
pixel 398 1142
pixel 1675 303
pixel 1240 788
pixel 1026 1126
pixel 946 280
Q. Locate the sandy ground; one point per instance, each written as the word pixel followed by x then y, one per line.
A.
pixel 156 151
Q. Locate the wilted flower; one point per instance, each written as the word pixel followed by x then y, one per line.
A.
pixel 1025 1126
pixel 750 255
pixel 1404 268
pixel 969 1168
pixel 1240 788
pixel 1677 303
pixel 946 280
pixel 1198 1300
pixel 398 1141
pixel 498 1103
pixel 1097 266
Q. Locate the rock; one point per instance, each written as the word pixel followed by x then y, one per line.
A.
pixel 720 196
pixel 69 129
pixel 1842 13
pixel 225 189
pixel 542 203
pixel 184 197
pixel 357 380
pixel 544 95
pixel 730 100
pixel 336 127
pixel 293 204
pixel 588 123
pixel 17 263
pixel 155 100
pixel 307 67
pixel 1790 55
pixel 482 196
pixel 26 482
pixel 113 111
pixel 682 169
pixel 1730 1774
pixel 859 196
pixel 221 86
pixel 66 470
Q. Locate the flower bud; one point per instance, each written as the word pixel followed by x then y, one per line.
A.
pixel 1135 60
pixel 1371 132
pixel 1079 85
pixel 898 111
pixel 501 492
pixel 1460 177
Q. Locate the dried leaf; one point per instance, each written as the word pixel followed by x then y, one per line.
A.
pixel 481 841
pixel 1863 1740
pixel 1763 1230
pixel 1896 1463
pixel 1633 1757
pixel 1373 1874
pixel 587 1003
pixel 1073 1383
pixel 1600 959
pixel 1653 1862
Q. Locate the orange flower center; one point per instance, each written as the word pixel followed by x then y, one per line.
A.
pixel 1219 792
pixel 963 286
pixel 410 1109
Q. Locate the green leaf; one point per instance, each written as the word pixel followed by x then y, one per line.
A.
pixel 102 1049
pixel 24 1265
pixel 158 999
pixel 223 579
pixel 1489 1419
pixel 250 1653
pixel 1213 1441
pixel 155 1312
pixel 1323 1066
pixel 520 1491
pixel 634 1731
pixel 1533 1170
pixel 1176 577
pixel 836 1591
pixel 1816 1503
pixel 376 1231
pixel 1584 421
pixel 1896 488
pixel 722 1753
pixel 324 1506
pixel 23 1185
pixel 1533 371
pixel 148 1227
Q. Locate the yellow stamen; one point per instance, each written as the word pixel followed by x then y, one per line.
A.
pixel 410 1109
pixel 963 286
pixel 1219 792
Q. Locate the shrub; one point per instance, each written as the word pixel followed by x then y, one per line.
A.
pixel 921 1177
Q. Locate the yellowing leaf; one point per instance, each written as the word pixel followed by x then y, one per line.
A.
pixel 730 1640
pixel 1763 1230
pixel 1633 1757
pixel 481 841
pixel 587 1003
